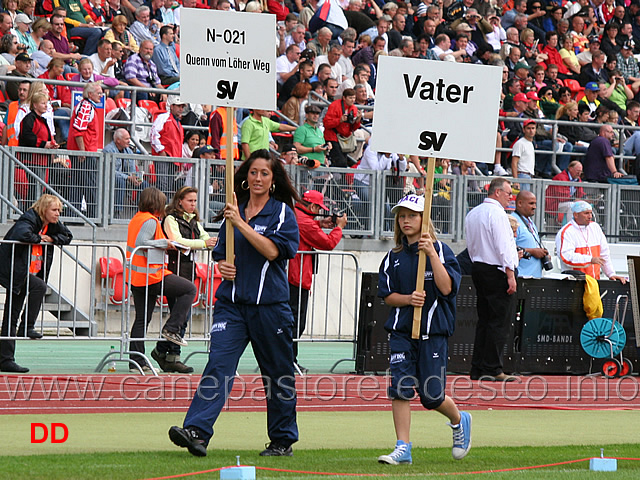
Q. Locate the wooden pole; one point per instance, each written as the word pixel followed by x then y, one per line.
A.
pixel 422 258
pixel 228 174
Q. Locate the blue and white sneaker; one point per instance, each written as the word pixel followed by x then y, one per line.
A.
pixel 401 454
pixel 461 436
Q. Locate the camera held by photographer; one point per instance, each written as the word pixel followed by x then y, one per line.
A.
pixel 534 256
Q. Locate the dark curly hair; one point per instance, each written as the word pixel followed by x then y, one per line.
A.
pixel 284 191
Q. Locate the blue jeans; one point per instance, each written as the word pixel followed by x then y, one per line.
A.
pixel 632 145
pixel 62 118
pixel 543 160
pixel 91 36
pixel 524 186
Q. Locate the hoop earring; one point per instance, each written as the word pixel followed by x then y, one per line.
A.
pixel 244 185
pixel 273 187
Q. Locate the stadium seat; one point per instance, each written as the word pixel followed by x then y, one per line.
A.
pixel 150 105
pixel 574 86
pixel 68 76
pixel 152 173
pixel 123 103
pixel 21 183
pixel 112 278
pixel 109 104
pixel 206 290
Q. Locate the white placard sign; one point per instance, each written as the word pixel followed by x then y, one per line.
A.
pixel 228 58
pixel 436 109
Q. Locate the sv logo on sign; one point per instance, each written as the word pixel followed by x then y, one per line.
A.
pixel 429 140
pixel 227 89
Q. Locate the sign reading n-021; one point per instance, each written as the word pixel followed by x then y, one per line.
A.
pixel 436 109
pixel 227 58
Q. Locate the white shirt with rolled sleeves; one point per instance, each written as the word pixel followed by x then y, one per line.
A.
pixel 372 160
pixel 336 70
pixel 490 237
pixel 283 65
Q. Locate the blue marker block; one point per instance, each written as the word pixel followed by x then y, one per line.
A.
pixel 600 464
pixel 238 473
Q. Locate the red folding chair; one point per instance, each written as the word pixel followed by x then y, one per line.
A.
pixel 112 279
pixel 151 106
pixel 574 86
pixel 206 288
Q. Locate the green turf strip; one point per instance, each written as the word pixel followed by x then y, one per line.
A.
pixel 128 432
pixel 428 463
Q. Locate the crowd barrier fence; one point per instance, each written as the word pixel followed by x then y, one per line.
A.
pixel 95 195
pixel 88 298
pixel 336 283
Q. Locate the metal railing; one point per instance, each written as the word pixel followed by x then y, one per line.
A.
pixel 620 157
pixel 365 196
pixel 76 307
pixel 334 297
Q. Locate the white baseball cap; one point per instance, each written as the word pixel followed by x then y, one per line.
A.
pixel 412 202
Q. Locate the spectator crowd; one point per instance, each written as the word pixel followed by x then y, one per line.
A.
pixel 570 61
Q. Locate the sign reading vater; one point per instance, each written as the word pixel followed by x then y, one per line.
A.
pixel 436 109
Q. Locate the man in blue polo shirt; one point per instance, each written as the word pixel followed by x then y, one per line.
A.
pixel 527 237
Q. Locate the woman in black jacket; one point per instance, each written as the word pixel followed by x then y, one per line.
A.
pixel 24 270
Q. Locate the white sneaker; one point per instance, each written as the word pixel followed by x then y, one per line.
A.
pixel 499 171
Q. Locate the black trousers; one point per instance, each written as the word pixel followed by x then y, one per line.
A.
pixel 298 296
pixel 495 311
pixel 182 290
pixel 12 308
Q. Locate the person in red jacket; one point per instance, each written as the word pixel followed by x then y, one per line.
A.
pixel 557 194
pixel 62 108
pixel 301 266
pixel 342 118
pixel 84 136
pixel 167 135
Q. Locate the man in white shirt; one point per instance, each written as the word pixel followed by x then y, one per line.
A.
pixel 361 75
pixel 331 59
pixel 523 158
pixel 443 48
pixel 296 37
pixel 102 61
pixel 41 58
pixel 345 58
pixel 372 160
pixel 287 64
pixel 582 246
pixel 492 249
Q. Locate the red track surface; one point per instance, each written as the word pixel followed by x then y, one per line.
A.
pixel 24 394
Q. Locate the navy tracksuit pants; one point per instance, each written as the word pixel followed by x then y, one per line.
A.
pixel 268 328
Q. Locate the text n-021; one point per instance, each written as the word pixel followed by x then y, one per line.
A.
pixel 236 37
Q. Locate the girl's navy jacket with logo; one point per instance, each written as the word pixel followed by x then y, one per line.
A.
pixel 398 275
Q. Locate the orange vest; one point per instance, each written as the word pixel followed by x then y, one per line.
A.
pixel 143 274
pixel 12 138
pixel 222 111
pixel 591 269
pixel 37 254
